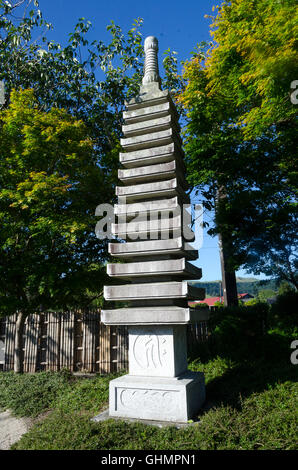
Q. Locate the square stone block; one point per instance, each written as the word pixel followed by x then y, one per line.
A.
pixel 157 351
pixel 162 399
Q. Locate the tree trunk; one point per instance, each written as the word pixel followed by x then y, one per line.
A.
pixel 229 285
pixel 18 350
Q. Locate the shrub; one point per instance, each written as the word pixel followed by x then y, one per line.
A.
pixel 238 331
pixel 251 302
pixel 284 313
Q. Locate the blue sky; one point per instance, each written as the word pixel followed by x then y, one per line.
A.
pixel 177 25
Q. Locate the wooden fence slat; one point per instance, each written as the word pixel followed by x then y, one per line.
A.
pixel 53 341
pixel 10 331
pixel 2 342
pixel 85 343
pixel 31 335
pixel 104 349
pixel 95 339
pixel 122 348
pixel 67 341
pixel 90 325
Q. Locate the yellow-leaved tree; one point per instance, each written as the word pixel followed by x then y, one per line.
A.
pixel 241 102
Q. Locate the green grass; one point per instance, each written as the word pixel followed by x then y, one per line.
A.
pixel 251 405
pixel 32 394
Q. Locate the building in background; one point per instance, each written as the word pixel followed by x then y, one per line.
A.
pixel 211 301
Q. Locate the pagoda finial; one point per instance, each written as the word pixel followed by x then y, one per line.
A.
pixel 151 73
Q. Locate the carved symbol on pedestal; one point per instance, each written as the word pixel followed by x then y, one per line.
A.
pixel 147 352
pixel 150 400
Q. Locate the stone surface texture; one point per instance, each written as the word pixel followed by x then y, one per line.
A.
pixel 156 398
pixel 156 257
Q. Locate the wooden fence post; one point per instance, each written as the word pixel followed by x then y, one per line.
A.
pixel 31 337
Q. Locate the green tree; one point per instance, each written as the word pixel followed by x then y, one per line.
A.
pixel 265 294
pixel 284 288
pixel 49 180
pixel 240 132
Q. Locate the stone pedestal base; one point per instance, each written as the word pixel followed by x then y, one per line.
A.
pixel 174 399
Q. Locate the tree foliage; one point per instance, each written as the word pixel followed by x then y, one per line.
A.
pixel 89 80
pixel 49 179
pixel 240 131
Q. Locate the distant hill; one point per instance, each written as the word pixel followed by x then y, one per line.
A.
pixel 248 285
pixel 246 279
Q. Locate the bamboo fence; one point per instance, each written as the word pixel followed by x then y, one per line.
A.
pixel 74 340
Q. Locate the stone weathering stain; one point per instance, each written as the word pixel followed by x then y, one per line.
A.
pixel 158 386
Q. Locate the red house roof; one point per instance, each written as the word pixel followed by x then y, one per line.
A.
pixel 242 296
pixel 210 301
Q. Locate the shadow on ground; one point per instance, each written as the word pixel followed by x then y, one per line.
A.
pixel 258 370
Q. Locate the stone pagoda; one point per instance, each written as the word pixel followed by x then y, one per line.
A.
pixel 152 277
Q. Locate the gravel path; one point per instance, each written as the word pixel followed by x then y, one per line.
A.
pixel 11 429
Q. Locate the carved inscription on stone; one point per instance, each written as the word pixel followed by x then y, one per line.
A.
pixel 149 350
pixel 151 400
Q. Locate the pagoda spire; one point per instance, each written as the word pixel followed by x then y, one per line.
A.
pixel 151 72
